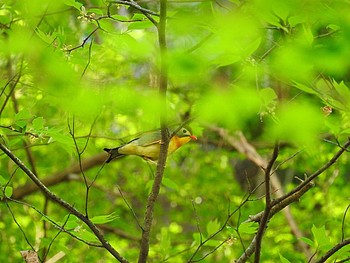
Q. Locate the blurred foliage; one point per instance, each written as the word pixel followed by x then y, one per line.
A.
pixel 277 70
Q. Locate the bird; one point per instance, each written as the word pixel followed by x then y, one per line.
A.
pixel 148 144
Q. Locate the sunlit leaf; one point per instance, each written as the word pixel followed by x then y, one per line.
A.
pixel 85 235
pixel 76 4
pixel 248 228
pixel 321 239
pixel 283 259
pixel 47 38
pixel 38 123
pixel 23 115
pixel 8 191
pixel 308 241
pixel 305 88
pixel 103 219
pixel 170 184
pixel 212 226
pixel 140 25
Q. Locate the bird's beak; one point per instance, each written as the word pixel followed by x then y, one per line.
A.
pixel 193 137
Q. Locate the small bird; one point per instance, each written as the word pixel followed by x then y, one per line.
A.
pixel 148 144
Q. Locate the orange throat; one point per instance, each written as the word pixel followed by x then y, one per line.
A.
pixel 176 142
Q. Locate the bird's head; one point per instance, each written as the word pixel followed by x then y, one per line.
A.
pixel 183 132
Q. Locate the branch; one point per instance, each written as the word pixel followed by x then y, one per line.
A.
pixel 318 172
pixel 213 235
pixel 291 197
pixel 59 177
pixel 59 227
pixel 63 203
pixel 240 143
pixel 85 40
pixel 266 215
pixel 163 85
pixel 137 6
pixel 333 250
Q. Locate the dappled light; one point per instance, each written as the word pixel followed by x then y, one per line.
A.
pixel 174 131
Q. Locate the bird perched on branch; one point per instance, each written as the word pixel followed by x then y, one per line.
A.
pixel 148 144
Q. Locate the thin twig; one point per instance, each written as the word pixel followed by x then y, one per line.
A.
pixel 80 152
pixel 197 223
pixel 343 223
pixel 19 226
pixel 291 197
pixel 54 238
pixel 213 235
pixel 69 50
pixel 63 203
pixel 53 222
pixel 130 208
pixel 136 6
pixel 89 60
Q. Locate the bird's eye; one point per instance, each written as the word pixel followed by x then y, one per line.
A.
pixel 184 131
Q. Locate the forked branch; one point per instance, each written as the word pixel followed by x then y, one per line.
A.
pixel 63 203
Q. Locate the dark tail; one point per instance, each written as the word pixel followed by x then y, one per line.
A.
pixel 113 154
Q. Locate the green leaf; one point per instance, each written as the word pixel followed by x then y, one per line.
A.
pixel 85 235
pixel 8 191
pixel 47 38
pixel 213 243
pixel 268 96
pixel 38 123
pixel 120 17
pixel 308 241
pixel 95 10
pixel 213 226
pixel 170 184
pixel 73 3
pixel 308 34
pixel 196 239
pixel 59 136
pixel 321 239
pixel 165 241
pixel 305 88
pixel 344 93
pixel 5 16
pixel 248 228
pixel 70 222
pixel 3 181
pixel 140 25
pixel 23 115
pixel 283 259
pixel 104 218
pixel 334 27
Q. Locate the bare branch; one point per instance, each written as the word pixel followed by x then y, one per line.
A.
pixel 85 40
pixel 266 215
pixel 291 197
pixel 197 223
pixel 130 208
pixel 240 143
pixel 333 250
pixel 59 227
pixel 63 203
pixel 343 223
pixel 163 85
pixel 213 235
pixel 138 7
pixel 60 176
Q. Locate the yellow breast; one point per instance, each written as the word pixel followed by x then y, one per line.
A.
pixel 151 151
